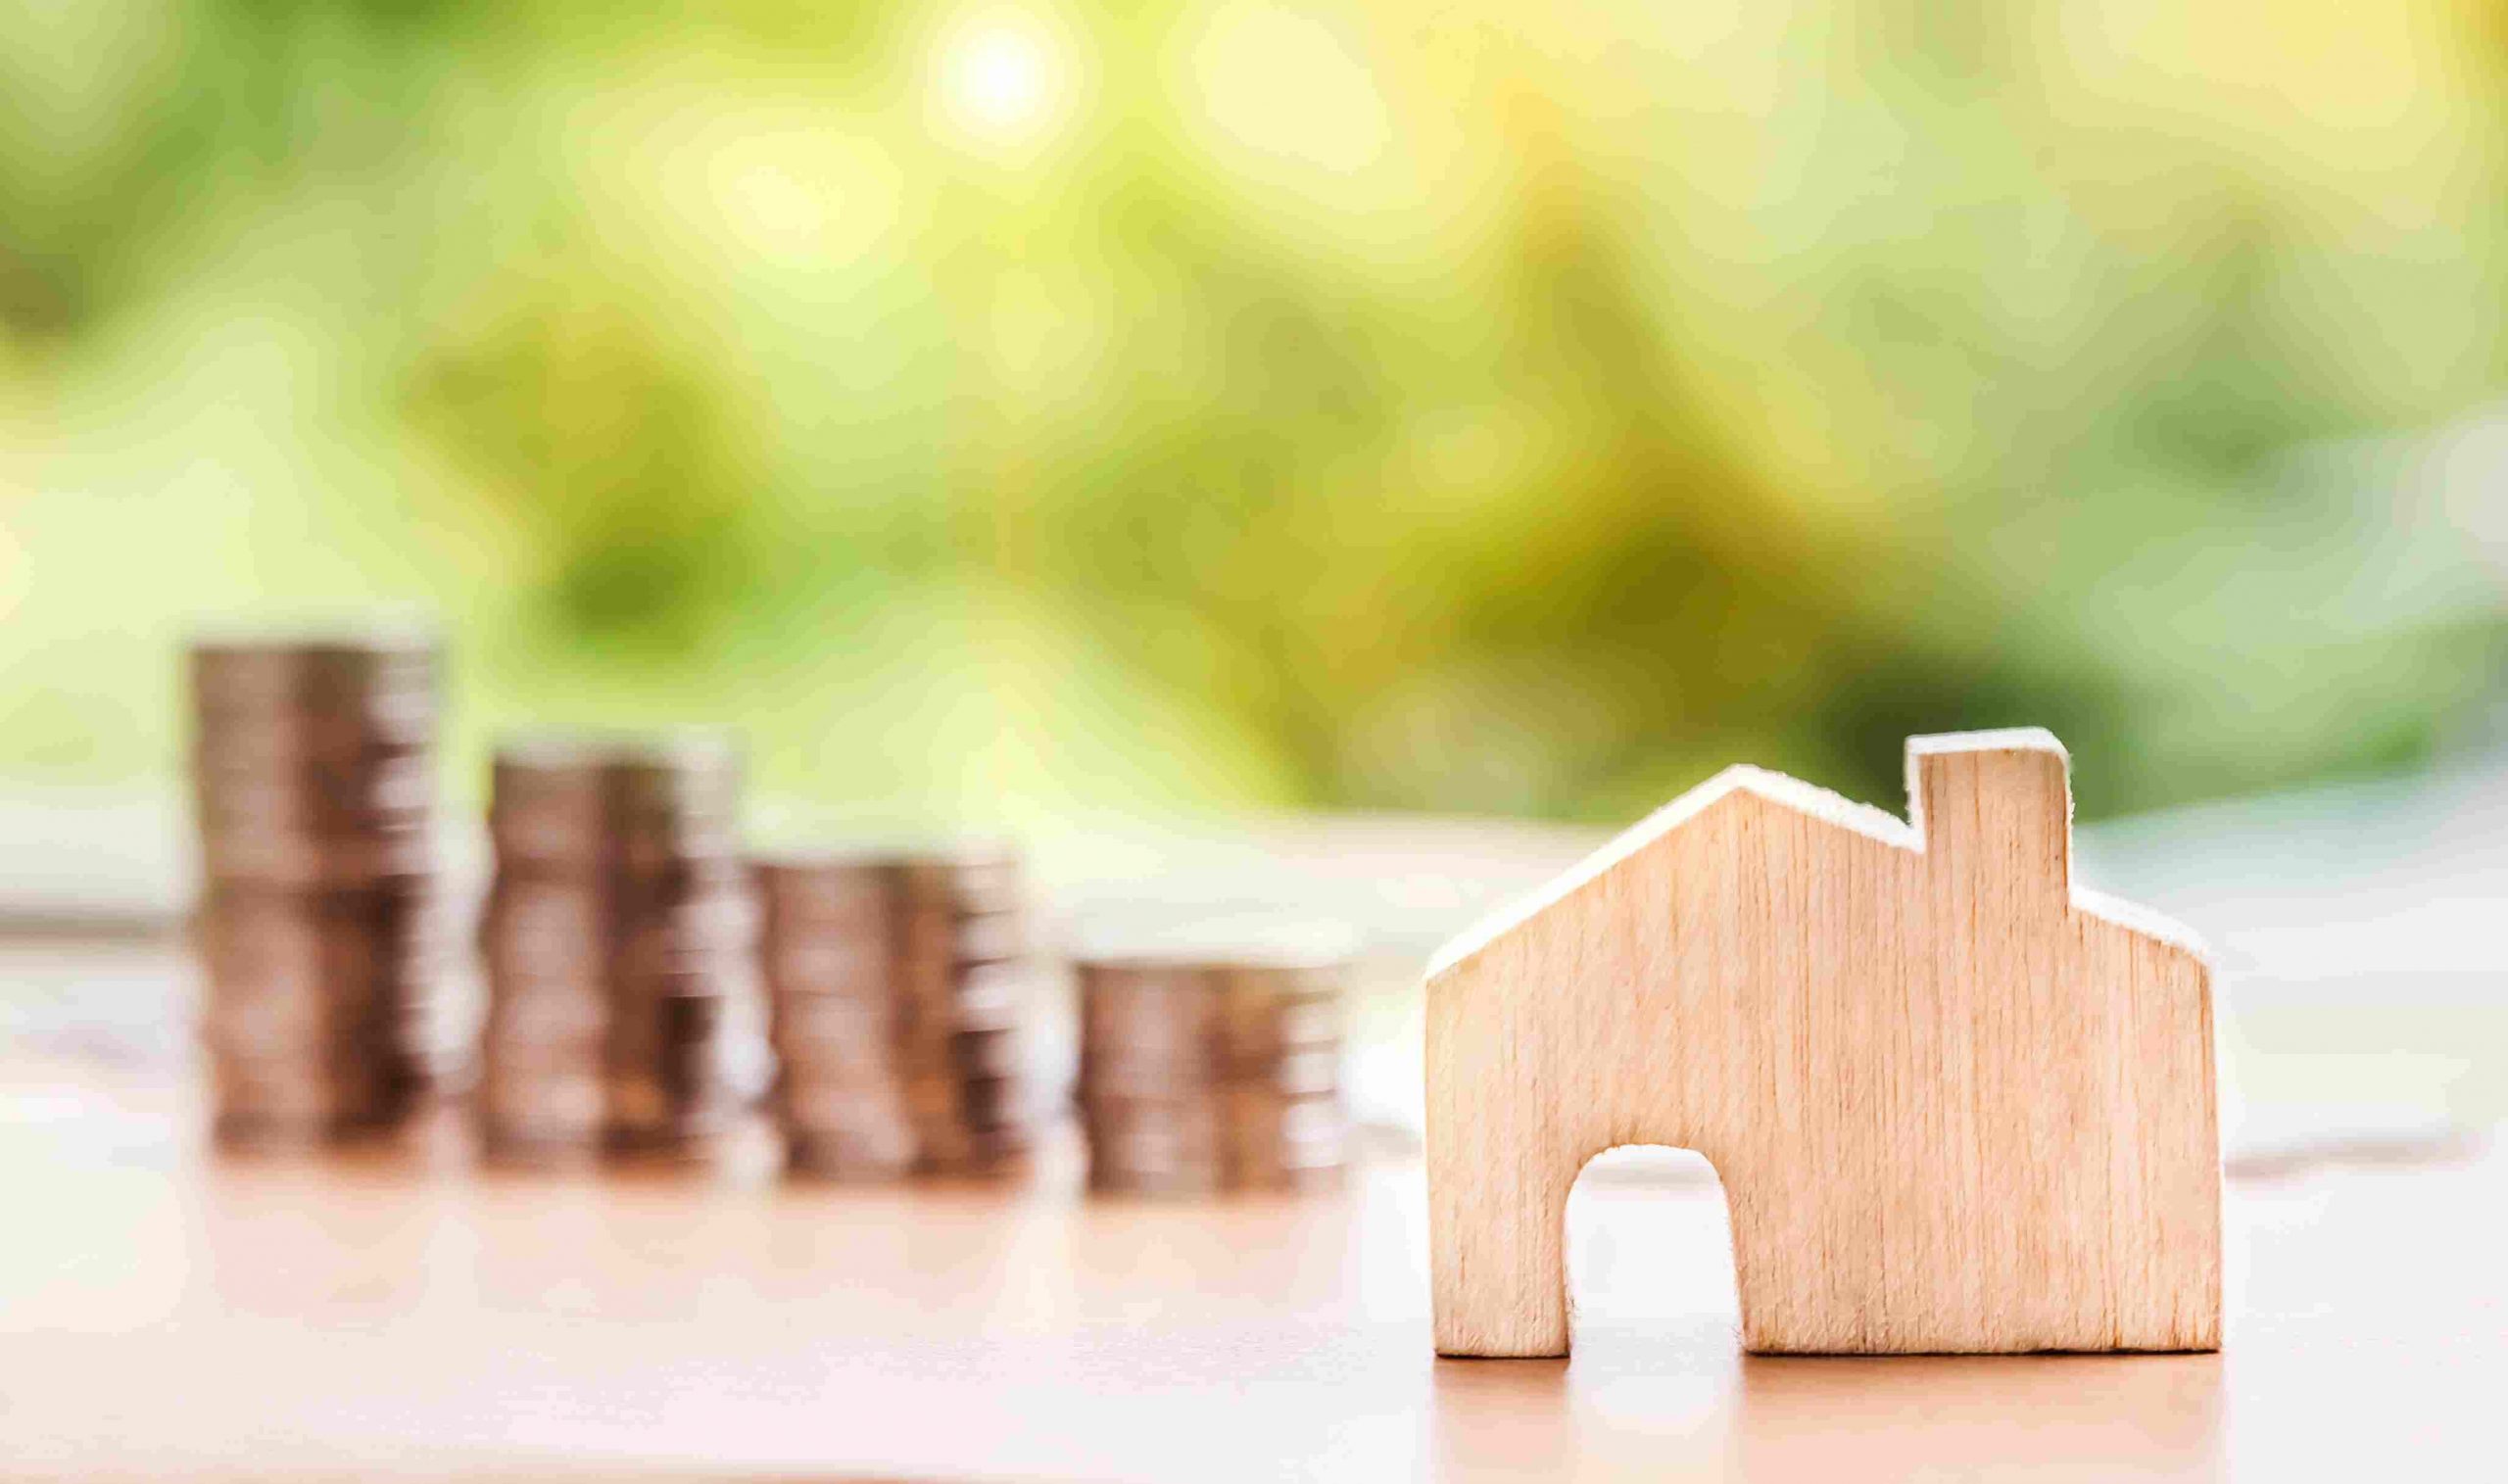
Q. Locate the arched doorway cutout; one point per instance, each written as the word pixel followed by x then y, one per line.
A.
pixel 1649 1245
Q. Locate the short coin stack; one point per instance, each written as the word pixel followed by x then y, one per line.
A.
pixel 897 983
pixel 619 941
pixel 828 945
pixel 328 1010
pixel 1204 1069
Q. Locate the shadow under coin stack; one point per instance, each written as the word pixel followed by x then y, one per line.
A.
pixel 327 1009
pixel 896 984
pixel 545 941
pixel 1200 1071
pixel 687 1053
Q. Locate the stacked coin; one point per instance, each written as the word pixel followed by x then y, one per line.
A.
pixel 897 983
pixel 619 942
pixel 327 1008
pixel 545 941
pixel 827 953
pixel 960 978
pixel 686 1049
pixel 1203 1072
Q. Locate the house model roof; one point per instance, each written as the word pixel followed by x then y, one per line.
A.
pixel 1820 804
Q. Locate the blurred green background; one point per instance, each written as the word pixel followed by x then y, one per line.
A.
pixel 1011 410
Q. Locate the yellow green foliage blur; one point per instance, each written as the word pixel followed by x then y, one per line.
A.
pixel 1009 407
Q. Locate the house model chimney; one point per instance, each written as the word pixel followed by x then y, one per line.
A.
pixel 1994 809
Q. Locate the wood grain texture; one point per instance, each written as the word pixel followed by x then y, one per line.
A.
pixel 1956 1105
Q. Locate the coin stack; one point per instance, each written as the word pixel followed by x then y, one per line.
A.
pixel 544 943
pixel 897 983
pixel 828 946
pixel 960 984
pixel 686 1052
pixel 1200 1072
pixel 618 939
pixel 327 1009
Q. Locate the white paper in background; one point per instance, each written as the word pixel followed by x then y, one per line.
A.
pixel 2362 934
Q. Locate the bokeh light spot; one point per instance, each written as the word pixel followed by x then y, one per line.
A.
pixel 1004 80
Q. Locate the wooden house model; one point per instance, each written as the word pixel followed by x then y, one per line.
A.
pixel 1956 1105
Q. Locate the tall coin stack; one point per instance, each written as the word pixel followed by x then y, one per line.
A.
pixel 896 984
pixel 1202 1073
pixel 686 1049
pixel 544 943
pixel 328 1010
